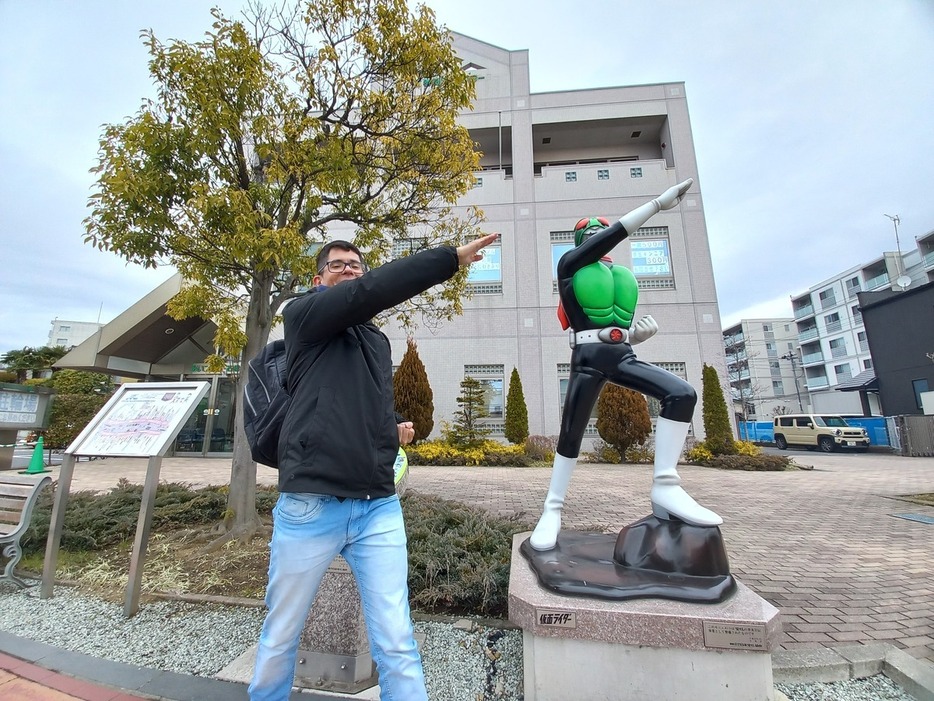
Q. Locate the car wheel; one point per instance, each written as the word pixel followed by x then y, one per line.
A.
pixel 826 444
pixel 781 443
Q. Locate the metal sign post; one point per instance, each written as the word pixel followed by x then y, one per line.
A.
pixel 141 420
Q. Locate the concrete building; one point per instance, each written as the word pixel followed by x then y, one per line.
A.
pixel 831 333
pixel 71 333
pixel 548 159
pixel 764 370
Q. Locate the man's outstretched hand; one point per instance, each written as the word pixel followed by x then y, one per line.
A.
pixel 470 252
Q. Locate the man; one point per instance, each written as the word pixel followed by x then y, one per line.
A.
pixel 338 444
pixel 598 302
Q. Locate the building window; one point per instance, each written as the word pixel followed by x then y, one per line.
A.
pixel 570 176
pixel 63 328
pixel 867 364
pixel 843 372
pixel 919 386
pixel 485 277
pixel 635 172
pixel 832 322
pixel 561 243
pixel 603 174
pixel 406 247
pixel 61 341
pixel 863 341
pixel 777 387
pixel 775 369
pixel 766 328
pixel 837 348
pixel 827 299
pixel 491 377
pixel 857 316
pixel 478 182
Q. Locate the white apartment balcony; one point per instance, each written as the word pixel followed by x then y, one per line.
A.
pixel 877 282
pixel 812 358
pixel 928 260
pixel 834 326
pixel 808 334
pixel 573 181
pixel 801 312
pixel 818 382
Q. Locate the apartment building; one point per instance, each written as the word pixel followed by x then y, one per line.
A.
pixel 763 368
pixel 833 342
pixel 70 333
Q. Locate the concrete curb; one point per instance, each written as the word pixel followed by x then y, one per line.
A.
pixel 836 664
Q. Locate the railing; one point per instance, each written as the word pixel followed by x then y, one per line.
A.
pixel 838 352
pixel 801 312
pixel 807 334
pixel 877 281
pixel 828 302
pixel 814 382
pixel 834 326
pixel 812 358
pixel 928 259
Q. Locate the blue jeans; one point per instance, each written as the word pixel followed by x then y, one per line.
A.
pixel 309 531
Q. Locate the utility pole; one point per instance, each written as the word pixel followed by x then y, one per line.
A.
pixel 791 357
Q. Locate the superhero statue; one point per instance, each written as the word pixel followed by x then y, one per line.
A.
pixel 598 301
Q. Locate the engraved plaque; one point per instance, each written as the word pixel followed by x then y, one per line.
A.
pixel 555 618
pixel 735 636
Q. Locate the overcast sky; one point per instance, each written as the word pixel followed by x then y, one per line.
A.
pixel 811 119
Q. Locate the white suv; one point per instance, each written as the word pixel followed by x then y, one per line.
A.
pixel 825 431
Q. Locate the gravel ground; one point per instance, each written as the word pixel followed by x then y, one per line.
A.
pixel 462 661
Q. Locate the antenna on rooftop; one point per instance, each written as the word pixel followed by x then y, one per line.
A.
pixel 903 281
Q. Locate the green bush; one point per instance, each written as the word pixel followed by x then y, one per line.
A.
pixel 640 454
pixel 752 463
pixel 95 521
pixel 602 452
pixel 487 452
pixel 458 556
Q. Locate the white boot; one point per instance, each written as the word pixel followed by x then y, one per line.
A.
pixel 545 534
pixel 669 500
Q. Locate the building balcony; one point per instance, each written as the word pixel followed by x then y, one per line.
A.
pixel 808 334
pixel 572 181
pixel 928 260
pixel 877 282
pixel 838 353
pixel 834 326
pixel 812 358
pixel 490 187
pixel 805 311
pixel 818 382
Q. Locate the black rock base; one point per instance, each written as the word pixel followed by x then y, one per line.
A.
pixel 651 558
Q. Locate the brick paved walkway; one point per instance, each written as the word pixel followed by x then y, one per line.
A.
pixel 822 545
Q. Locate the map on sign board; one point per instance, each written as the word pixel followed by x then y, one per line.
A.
pixel 140 420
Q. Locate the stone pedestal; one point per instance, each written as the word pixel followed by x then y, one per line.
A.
pixel 334 653
pixel 593 649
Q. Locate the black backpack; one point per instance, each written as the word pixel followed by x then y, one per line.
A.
pixel 266 402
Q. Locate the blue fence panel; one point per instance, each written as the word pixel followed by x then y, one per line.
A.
pixel 875 427
pixel 760 431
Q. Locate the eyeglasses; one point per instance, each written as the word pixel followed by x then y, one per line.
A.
pixel 338 266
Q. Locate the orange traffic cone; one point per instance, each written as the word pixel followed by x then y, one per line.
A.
pixel 37 462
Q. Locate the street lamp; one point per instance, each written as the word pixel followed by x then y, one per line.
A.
pixel 791 357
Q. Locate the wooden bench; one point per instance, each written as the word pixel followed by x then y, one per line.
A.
pixel 18 495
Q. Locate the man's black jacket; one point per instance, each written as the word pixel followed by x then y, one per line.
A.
pixel 340 436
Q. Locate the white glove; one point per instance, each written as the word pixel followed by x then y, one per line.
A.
pixel 642 330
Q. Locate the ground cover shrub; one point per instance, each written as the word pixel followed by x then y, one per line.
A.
pixel 487 452
pixel 459 556
pixel 752 463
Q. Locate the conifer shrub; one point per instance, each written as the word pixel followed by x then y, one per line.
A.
pixel 719 433
pixel 622 418
pixel 413 396
pixel 516 427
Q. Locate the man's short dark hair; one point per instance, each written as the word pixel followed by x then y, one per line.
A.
pixel 322 258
